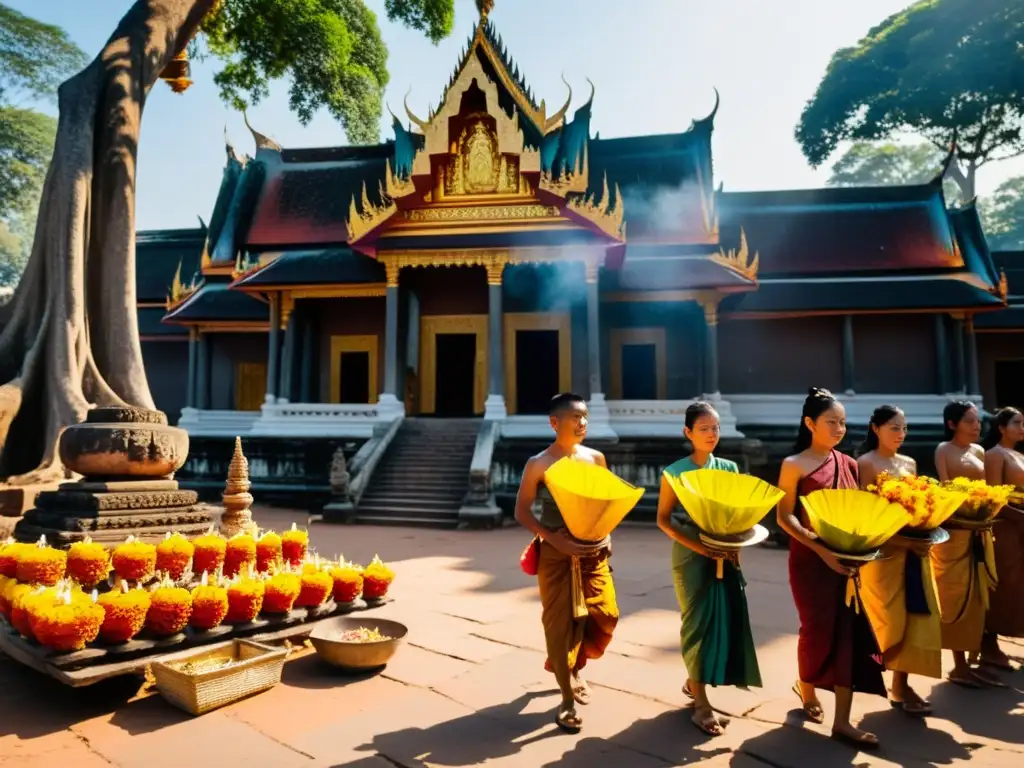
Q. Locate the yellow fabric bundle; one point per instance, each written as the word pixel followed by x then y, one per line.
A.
pixel 853 522
pixel 724 503
pixel 592 500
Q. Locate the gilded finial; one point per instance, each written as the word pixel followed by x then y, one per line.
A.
pixel 262 141
pixel 1004 285
pixel 484 7
pixel 176 73
pixel 237 499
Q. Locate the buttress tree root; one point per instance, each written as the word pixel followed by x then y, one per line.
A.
pixel 70 337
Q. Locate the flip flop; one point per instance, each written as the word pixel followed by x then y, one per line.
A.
pixel 569 721
pixel 812 710
pixel 709 722
pixel 912 708
pixel 858 744
pixel 963 682
pixel 581 694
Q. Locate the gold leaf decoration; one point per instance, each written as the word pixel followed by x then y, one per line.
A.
pixel 181 290
pixel 739 260
pixel 361 222
pixel 396 186
pixel 609 218
pixel 575 181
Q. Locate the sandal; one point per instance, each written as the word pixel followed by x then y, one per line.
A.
pixel 866 744
pixel 963 682
pixel 704 718
pixel 569 721
pixel 919 708
pixel 812 709
pixel 581 691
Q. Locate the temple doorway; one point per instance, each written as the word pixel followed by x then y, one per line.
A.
pixel 355 377
pixel 353 374
pixel 456 366
pixel 537 372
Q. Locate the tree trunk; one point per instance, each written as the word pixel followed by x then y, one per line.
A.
pixel 70 338
pixel 965 181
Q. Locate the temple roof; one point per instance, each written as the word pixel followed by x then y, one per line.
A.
pixel 335 265
pixel 158 255
pixel 213 302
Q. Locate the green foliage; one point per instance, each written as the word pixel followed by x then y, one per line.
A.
pixel 26 142
pixel 34 57
pixel 936 67
pixel 867 164
pixel 331 49
pixel 1003 215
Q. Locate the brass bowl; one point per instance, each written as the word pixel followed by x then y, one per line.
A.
pixel 357 656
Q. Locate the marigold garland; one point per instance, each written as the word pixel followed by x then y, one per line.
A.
pixel 210 550
pixel 125 613
pixel 294 544
pixel 377 578
pixel 174 555
pixel 5 583
pixel 67 620
pixel 240 552
pixel 88 563
pixel 41 564
pixel 245 601
pixel 984 501
pixel 209 605
pixel 169 610
pixel 134 560
pixel 928 503
pixel 18 596
pixel 348 582
pixel 268 551
pixel 316 588
pixel 10 552
pixel 280 592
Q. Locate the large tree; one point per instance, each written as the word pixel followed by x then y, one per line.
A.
pixel 1003 215
pixel 868 164
pixel 940 69
pixel 34 58
pixel 70 335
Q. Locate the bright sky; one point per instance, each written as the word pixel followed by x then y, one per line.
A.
pixel 654 63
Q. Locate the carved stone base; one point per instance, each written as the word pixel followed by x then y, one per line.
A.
pixel 487 513
pixel 16 501
pixel 338 512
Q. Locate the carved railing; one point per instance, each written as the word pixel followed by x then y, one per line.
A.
pixel 217 423
pixel 480 492
pixel 368 457
pixel 317 420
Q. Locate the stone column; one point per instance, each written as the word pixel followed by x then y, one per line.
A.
pixel 973 378
pixel 307 357
pixel 942 354
pixel 273 347
pixel 203 373
pixel 600 418
pixel 288 358
pixel 710 307
pixel 494 407
pixel 848 375
pixel 960 377
pixel 389 405
pixel 193 343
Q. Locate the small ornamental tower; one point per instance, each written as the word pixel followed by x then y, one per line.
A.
pixel 237 499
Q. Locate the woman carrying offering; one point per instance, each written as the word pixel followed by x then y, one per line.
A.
pixel 716 639
pixel 1004 465
pixel 956 562
pixel 836 649
pixel 899 590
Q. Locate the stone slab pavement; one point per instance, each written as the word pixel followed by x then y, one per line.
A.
pixel 469 687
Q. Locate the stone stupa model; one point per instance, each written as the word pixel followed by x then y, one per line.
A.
pixel 127 457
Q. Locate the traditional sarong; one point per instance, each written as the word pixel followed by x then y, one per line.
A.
pixel 579 612
pixel 836 647
pixel 899 597
pixel 1006 611
pixel 965 572
pixel 715 635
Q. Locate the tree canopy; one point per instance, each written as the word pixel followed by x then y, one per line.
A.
pixel 940 68
pixel 1003 215
pixel 331 50
pixel 868 164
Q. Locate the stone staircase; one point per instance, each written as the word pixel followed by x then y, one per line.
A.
pixel 424 474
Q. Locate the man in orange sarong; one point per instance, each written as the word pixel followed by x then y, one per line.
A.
pixel 578 608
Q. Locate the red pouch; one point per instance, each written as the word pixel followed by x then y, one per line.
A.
pixel 529 561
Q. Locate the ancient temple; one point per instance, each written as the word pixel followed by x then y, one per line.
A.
pixel 496 252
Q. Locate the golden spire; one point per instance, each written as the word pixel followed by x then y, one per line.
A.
pixel 485 7
pixel 1004 285
pixel 237 499
pixel 176 73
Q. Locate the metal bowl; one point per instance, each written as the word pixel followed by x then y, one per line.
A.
pixel 357 655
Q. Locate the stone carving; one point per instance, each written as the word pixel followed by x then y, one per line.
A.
pixel 339 474
pixel 237 499
pixel 111 444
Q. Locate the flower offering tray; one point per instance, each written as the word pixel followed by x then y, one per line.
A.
pixel 99 662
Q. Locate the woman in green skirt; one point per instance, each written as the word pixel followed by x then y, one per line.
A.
pixel 717 643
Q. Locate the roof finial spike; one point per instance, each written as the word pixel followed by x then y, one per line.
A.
pixel 262 142
pixel 484 7
pixel 421 124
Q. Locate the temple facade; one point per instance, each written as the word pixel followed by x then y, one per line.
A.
pixel 492 254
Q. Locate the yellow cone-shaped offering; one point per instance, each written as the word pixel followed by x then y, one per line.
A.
pixel 853 522
pixel 592 500
pixel 724 503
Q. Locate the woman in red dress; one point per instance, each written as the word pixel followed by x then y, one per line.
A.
pixel 836 650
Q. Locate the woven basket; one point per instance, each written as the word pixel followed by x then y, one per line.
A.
pixel 257 668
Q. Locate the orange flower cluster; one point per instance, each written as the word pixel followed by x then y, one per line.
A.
pixel 983 502
pixel 88 563
pixel 169 610
pixel 210 550
pixel 928 503
pixel 174 555
pixel 268 551
pixel 317 585
pixel 348 582
pixel 281 591
pixel 241 552
pixel 65 619
pixel 134 560
pixel 10 551
pixel 377 578
pixel 6 583
pixel 245 600
pixel 209 605
pixel 17 597
pixel 125 613
pixel 41 564
pixel 294 544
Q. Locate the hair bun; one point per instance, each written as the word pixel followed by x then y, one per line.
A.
pixel 819 393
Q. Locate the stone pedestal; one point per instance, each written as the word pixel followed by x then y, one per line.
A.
pixel 17 500
pixel 128 457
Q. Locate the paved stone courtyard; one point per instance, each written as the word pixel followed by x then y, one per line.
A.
pixel 469 687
